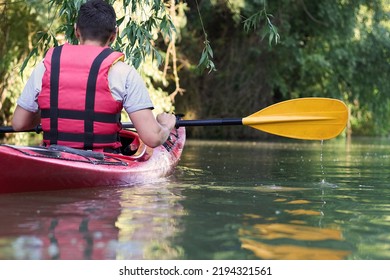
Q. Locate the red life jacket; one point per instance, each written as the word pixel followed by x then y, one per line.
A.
pixel 77 107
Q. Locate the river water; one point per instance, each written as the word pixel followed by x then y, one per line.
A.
pixel 226 200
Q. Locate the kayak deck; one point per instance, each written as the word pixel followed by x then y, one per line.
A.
pixel 39 168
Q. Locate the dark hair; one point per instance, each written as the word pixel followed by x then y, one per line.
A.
pixel 96 20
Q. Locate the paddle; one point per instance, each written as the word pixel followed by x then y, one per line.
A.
pixel 302 118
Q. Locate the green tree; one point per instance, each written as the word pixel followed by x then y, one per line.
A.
pixel 16 23
pixel 337 49
pixel 18 19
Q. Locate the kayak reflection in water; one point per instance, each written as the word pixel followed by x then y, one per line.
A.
pixel 116 223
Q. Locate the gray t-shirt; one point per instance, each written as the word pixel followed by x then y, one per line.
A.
pixel 125 83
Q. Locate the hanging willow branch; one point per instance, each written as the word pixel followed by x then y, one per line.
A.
pixel 171 51
pixel 141 23
pixel 269 29
pixel 205 61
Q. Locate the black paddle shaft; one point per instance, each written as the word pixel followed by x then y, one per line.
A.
pixel 179 123
pixel 212 122
pixel 9 129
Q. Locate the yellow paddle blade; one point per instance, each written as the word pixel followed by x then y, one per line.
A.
pixel 302 118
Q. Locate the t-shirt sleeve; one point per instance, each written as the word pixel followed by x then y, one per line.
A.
pixel 28 99
pixel 127 86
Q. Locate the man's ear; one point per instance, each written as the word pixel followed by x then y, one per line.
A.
pixel 76 31
pixel 113 36
pixel 112 39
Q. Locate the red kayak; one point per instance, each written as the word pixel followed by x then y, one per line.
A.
pixel 27 169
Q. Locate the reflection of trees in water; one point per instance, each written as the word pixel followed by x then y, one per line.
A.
pixel 149 218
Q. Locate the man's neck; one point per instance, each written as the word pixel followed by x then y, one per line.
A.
pixel 92 43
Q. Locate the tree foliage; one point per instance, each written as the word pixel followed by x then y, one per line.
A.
pixel 255 52
pixel 140 23
pixel 17 23
pixel 337 49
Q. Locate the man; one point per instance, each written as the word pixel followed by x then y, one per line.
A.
pixel 78 91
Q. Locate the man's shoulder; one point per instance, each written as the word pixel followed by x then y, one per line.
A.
pixel 122 70
pixel 39 70
pixel 121 65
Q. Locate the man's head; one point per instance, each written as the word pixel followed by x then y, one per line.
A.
pixel 96 21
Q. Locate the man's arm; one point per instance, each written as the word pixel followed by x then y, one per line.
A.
pixel 24 120
pixel 27 114
pixel 153 132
